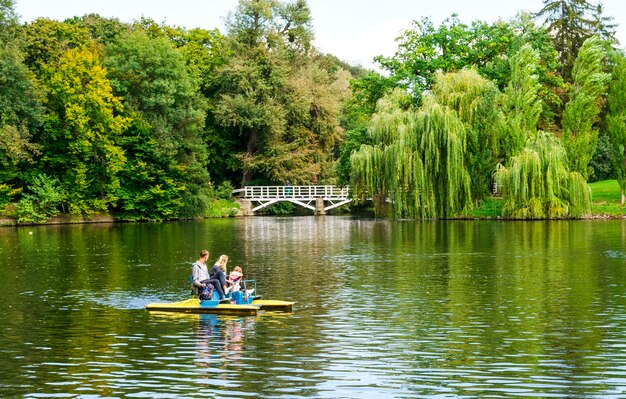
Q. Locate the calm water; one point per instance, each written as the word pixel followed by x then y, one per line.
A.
pixel 467 309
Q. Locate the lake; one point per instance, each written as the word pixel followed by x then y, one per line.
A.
pixel 384 309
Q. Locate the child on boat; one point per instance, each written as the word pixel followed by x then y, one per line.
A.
pixel 238 295
pixel 235 278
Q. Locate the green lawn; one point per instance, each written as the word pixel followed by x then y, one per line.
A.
pixel 605 197
pixel 490 208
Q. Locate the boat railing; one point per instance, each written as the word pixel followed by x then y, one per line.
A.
pixel 244 284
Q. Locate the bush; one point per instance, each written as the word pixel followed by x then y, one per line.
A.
pixel 602 161
pixel 26 211
pixel 6 195
pixel 42 203
pixel 224 190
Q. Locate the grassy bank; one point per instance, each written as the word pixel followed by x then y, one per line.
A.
pixel 605 197
pixel 219 208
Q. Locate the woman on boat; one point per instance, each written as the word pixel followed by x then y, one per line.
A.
pixel 218 276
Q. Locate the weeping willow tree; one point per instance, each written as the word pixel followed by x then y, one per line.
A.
pixel 537 181
pixel 417 163
pixel 539 184
pixel 476 103
pixel 581 112
pixel 522 106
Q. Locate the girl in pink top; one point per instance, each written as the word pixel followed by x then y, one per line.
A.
pixel 235 277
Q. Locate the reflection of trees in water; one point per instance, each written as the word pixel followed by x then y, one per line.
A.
pixel 523 279
pixel 221 339
pixel 284 254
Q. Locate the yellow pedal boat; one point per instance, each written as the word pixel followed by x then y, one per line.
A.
pixel 194 305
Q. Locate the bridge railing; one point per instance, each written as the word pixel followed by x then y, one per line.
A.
pixel 295 192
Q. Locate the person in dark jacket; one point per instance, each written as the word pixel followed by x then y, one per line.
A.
pixel 217 274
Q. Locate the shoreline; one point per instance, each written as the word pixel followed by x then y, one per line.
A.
pixel 64 220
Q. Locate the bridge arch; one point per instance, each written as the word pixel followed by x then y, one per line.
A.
pixel 320 199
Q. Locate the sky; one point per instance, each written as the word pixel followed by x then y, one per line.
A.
pixel 353 30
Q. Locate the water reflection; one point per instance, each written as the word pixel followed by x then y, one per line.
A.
pixel 384 309
pixel 221 339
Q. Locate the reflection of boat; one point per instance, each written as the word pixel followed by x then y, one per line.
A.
pixel 243 305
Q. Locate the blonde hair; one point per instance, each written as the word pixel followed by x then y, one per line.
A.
pixel 238 269
pixel 222 262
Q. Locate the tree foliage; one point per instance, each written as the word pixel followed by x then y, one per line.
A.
pixel 21 113
pixel 144 120
pixel 273 103
pixel 366 89
pixel 616 118
pixel 9 21
pixel 474 100
pixel 152 78
pixel 584 105
pixel 538 183
pixel 522 104
pixel 80 131
pixel 453 45
pixel 571 22
pixel 45 41
pixel 418 161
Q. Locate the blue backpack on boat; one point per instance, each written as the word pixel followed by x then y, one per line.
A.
pixel 206 293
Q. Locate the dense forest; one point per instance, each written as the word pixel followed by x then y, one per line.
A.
pixel 146 121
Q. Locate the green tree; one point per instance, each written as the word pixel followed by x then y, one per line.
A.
pixel 417 161
pixel 203 50
pixel 366 90
pixel 275 106
pixel 45 41
pixel 571 22
pixel 537 182
pixel 156 86
pixel 149 189
pixel 604 26
pixel 100 29
pixel 9 21
pixel 522 104
pixel 602 162
pixel 21 114
pixel 453 45
pixel 475 103
pixel 80 131
pixel 616 118
pixel 585 103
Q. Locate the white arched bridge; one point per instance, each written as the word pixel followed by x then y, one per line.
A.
pixel 319 199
